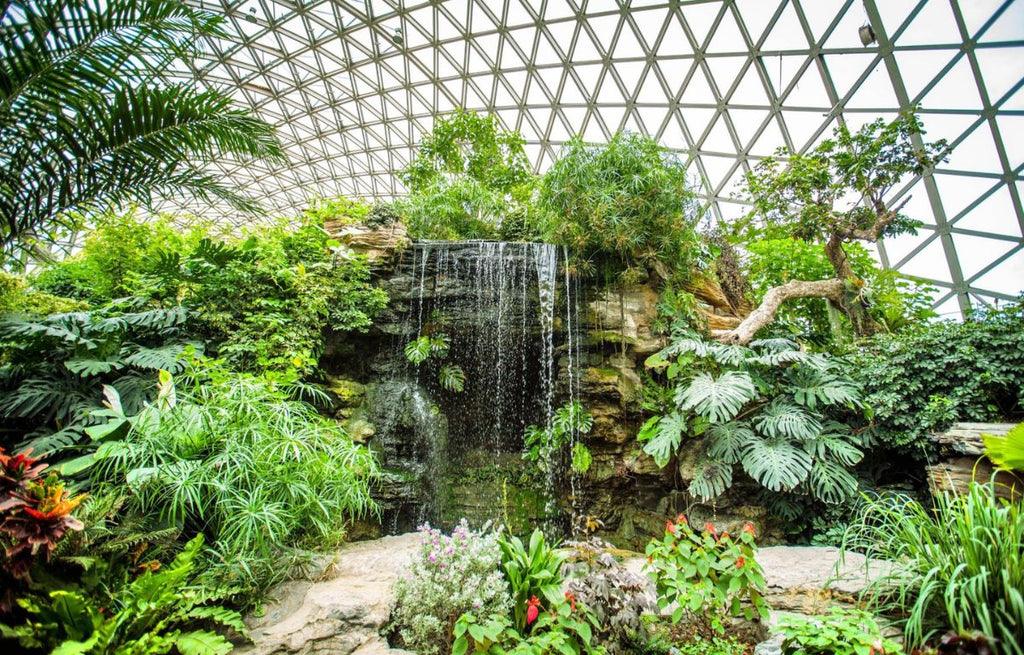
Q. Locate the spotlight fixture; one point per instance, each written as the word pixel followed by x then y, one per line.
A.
pixel 398 38
pixel 251 17
pixel 867 35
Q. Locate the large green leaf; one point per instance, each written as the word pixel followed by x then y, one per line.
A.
pixel 836 445
pixel 711 478
pixel 776 463
pixel 202 642
pixel 783 418
pixel 1006 451
pixel 727 441
pixel 717 399
pixel 813 387
pixel 662 435
pixel 831 481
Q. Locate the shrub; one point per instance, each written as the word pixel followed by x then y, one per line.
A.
pixel 926 378
pixel 450 576
pixel 841 632
pixel 233 457
pixel 707 574
pixel 565 628
pixel 625 204
pixel 533 573
pixel 958 565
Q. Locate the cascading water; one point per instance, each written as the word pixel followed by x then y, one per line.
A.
pixel 510 315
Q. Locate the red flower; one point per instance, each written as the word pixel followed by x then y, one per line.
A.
pixel 532 610
pixel 740 563
pixel 682 519
pixel 572 600
pixel 670 527
pixel 710 529
pixel 748 527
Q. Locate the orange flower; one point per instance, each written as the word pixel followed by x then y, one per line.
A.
pixel 710 529
pixel 748 527
pixel 682 519
pixel 740 563
pixel 572 600
pixel 670 527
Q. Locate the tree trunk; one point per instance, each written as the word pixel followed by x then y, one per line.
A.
pixel 854 308
pixel 833 289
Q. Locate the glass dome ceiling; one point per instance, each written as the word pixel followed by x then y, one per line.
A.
pixel 353 85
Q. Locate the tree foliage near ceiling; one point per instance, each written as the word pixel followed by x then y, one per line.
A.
pixel 626 205
pixel 90 117
pixel 779 414
pixel 807 198
pixel 470 179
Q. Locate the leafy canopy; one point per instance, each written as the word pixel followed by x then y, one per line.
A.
pixel 90 115
pixel 625 204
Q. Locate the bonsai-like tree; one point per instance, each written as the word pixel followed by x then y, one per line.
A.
pixel 836 194
pixel 90 115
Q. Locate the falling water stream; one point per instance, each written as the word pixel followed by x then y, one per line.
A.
pixel 510 313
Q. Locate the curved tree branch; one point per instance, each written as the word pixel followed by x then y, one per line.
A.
pixel 764 314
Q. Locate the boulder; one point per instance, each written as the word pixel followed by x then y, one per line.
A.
pixel 343 612
pixel 962 461
pixel 380 245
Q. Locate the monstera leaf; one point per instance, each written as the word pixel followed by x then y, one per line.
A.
pixel 776 463
pixel 662 436
pixel 717 399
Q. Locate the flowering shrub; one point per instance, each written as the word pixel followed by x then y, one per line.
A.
pixel 707 573
pixel 553 626
pixel 531 571
pixel 450 575
pixel 35 513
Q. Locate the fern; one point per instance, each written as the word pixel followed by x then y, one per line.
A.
pixel 727 441
pixel 782 418
pixel 711 478
pixel 718 400
pixel 662 435
pixel 776 463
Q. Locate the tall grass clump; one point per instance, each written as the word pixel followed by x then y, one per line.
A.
pixel 958 565
pixel 233 457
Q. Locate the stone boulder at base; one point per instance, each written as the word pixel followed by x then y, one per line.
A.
pixel 342 612
pixel 380 245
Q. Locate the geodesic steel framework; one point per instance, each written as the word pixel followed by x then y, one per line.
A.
pixel 353 85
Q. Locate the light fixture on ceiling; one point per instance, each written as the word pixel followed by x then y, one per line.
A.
pixel 867 35
pixel 398 38
pixel 251 16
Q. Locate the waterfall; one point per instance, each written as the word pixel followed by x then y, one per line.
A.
pixel 507 312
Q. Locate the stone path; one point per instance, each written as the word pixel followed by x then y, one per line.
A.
pixel 344 612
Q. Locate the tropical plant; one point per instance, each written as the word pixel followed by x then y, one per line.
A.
pixel 923 379
pixel 230 455
pixel 35 512
pixel 436 347
pixel 770 408
pixel 469 179
pixel 958 565
pixel 836 194
pixel 532 573
pixel 566 628
pixel 151 614
pixel 626 205
pixel 450 576
pixel 90 115
pixel 707 574
pixel 546 446
pixel 840 632
pixel 1006 451
pixel 55 367
pixel 17 298
pixel 616 596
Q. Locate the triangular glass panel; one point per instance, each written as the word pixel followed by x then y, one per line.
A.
pixel 629 73
pixel 587 78
pixel 804 126
pixel 875 92
pixel 537 96
pixel 750 90
pixel 559 132
pixel 717 170
pixel 585 50
pixel 672 136
pixel 994 214
pixel 650 91
pixel 674 42
pixel 847 32
pixel 523 38
pixel 977 152
pixel 727 38
pixel 446 27
pixel 919 67
pixel 1001 70
pixel 819 17
pixel 480 20
pixel 724 71
pixel 787 33
pixel 571 93
pixel 541 116
pixel 958 192
pixel 769 141
pixel 592 130
pixel 975 253
pixel 646 25
pixel 1011 128
pixel 575 117
pixel 546 53
pixel 700 18
pixel 628 46
pixel 718 139
pixel 604 29
pixel 556 9
pixel 1006 276
pixel 1006 27
pixel 746 123
pixel 756 14
pixel 697 121
pixel 517 14
pixel 930 258
pixel 515 81
pixel 847 69
pixel 632 124
pixel 956 90
pixel 782 69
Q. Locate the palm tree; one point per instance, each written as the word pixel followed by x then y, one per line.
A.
pixel 90 115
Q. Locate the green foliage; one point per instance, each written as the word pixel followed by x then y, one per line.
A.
pixel 546 446
pixel 470 179
pixel 960 565
pixel 233 457
pixel 625 204
pixel 90 114
pixel 449 376
pixel 1006 451
pixel 707 574
pixel 770 408
pixel 837 187
pixel 840 632
pixel 565 629
pixel 55 368
pixel 532 572
pixel 17 298
pixel 149 615
pixel 924 379
pixel 896 301
pixel 450 576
